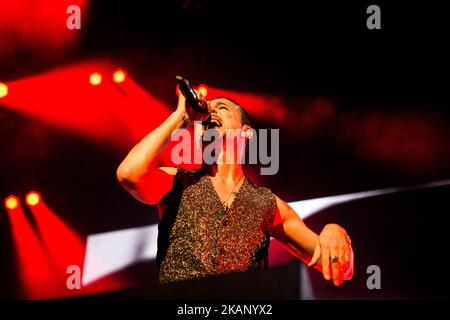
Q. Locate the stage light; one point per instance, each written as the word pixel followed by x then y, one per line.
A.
pixel 119 76
pixel 11 202
pixel 203 89
pixel 3 90
pixel 95 79
pixel 94 112
pixel 33 198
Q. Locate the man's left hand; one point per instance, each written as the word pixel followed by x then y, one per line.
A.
pixel 335 253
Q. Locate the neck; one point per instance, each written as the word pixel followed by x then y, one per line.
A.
pixel 226 171
pixel 228 167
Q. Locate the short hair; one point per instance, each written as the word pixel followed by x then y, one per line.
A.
pixel 245 119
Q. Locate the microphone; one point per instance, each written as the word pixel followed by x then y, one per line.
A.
pixel 191 98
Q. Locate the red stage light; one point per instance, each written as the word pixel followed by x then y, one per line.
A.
pixel 119 76
pixel 100 112
pixel 11 202
pixel 3 90
pixel 95 79
pixel 62 244
pixel 33 198
pixel 37 278
pixel 203 89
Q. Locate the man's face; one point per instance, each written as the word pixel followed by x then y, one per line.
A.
pixel 224 115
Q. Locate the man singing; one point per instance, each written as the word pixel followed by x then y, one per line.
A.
pixel 214 220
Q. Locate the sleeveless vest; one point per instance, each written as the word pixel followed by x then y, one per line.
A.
pixel 199 238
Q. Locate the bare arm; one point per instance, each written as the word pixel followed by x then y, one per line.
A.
pixel 139 172
pixel 315 250
pixel 290 230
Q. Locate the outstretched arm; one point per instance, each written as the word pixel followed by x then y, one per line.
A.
pixel 329 252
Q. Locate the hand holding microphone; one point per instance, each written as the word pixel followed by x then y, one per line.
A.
pixel 192 101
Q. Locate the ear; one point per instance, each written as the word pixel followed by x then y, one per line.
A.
pixel 247 132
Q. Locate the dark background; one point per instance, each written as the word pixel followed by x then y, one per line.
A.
pixel 389 92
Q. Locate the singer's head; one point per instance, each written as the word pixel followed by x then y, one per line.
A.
pixel 228 114
pixel 230 120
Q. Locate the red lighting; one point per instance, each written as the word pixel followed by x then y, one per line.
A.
pixel 112 117
pixel 95 79
pixel 38 26
pixel 203 89
pixel 35 272
pixel 3 90
pixel 11 202
pixel 119 76
pixel 33 198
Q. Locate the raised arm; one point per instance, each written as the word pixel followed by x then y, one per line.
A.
pixel 329 252
pixel 139 173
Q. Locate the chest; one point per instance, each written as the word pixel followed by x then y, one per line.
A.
pixel 207 211
pixel 226 192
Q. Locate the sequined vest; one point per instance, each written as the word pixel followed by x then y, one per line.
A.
pixel 199 238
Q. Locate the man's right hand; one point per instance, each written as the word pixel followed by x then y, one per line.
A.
pixel 186 110
pixel 139 173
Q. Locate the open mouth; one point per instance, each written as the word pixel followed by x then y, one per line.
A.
pixel 213 122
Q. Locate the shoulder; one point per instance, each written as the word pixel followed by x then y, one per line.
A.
pixel 187 177
pixel 262 190
pixel 188 173
pixel 182 179
pixel 264 194
pixel 264 200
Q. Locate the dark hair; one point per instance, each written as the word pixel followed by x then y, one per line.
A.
pixel 245 119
